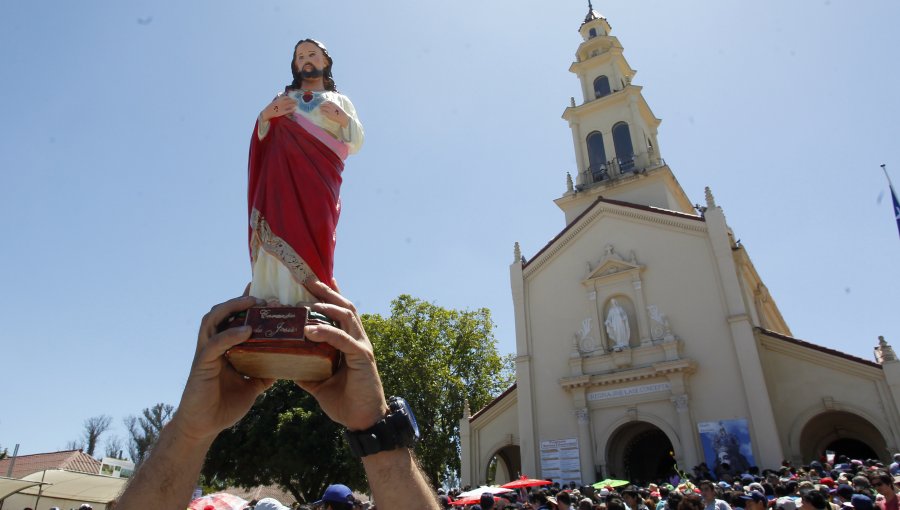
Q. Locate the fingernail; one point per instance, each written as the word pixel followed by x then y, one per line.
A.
pixel 312 330
pixel 260 301
pixel 244 329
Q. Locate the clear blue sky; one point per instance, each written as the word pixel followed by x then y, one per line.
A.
pixel 126 127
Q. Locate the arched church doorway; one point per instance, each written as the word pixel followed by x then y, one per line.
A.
pixel 504 466
pixel 639 452
pixel 843 433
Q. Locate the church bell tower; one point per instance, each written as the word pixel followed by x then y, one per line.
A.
pixel 614 131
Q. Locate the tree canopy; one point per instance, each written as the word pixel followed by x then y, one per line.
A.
pixel 438 359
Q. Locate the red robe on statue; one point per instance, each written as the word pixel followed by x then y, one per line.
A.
pixel 294 199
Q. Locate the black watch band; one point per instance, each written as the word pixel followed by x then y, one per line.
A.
pixel 397 429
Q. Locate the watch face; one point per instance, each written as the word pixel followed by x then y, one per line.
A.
pixel 412 418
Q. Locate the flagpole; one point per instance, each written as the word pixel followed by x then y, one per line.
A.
pixel 888 176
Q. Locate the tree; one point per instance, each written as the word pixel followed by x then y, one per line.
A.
pixel 93 428
pixel 438 359
pixel 75 445
pixel 144 430
pixel 114 447
pixel 285 439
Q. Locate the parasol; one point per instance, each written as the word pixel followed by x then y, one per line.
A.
pixel 524 481
pixel 218 501
pixel 610 482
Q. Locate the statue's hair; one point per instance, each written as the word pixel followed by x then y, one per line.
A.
pixel 298 77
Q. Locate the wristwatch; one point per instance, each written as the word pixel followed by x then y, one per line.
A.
pixel 397 429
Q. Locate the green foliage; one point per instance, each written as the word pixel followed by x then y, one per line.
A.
pixel 286 440
pixel 437 359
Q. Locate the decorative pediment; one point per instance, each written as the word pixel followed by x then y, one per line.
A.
pixel 611 264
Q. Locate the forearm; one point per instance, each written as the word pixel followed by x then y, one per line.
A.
pixel 166 479
pixel 396 480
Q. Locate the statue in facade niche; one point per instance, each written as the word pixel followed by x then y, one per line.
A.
pixel 617 327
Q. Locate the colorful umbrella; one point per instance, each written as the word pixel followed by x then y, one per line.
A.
pixel 218 501
pixel 476 493
pixel 609 482
pixel 468 501
pixel 524 481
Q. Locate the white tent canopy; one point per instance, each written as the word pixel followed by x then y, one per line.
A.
pixel 74 486
pixel 13 485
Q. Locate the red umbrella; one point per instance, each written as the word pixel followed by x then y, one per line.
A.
pixel 218 501
pixel 470 501
pixel 466 501
pixel 524 481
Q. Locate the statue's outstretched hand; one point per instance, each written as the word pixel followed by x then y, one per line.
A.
pixel 281 105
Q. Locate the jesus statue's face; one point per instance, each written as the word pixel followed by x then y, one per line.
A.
pixel 310 60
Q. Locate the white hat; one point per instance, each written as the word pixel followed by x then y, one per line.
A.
pixel 270 504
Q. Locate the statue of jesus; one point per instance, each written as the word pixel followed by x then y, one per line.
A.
pixel 297 155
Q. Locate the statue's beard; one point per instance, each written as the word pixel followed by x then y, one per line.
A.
pixel 311 74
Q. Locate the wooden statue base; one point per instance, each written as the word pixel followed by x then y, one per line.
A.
pixel 277 349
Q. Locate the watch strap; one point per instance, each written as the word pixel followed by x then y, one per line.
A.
pixel 377 438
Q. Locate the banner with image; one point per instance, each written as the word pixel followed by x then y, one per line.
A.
pixel 726 446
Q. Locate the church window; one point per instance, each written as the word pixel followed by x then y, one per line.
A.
pixel 624 149
pixel 601 87
pixel 592 33
pixel 596 157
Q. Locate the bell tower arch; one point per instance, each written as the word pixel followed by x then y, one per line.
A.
pixel 614 131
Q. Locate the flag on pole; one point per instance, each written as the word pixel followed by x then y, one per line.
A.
pixel 893 198
pixel 896 207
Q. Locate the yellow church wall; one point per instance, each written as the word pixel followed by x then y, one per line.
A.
pixel 677 276
pixel 805 383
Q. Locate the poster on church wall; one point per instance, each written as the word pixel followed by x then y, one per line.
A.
pixel 726 446
pixel 561 461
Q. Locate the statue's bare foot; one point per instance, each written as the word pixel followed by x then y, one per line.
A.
pixel 273 303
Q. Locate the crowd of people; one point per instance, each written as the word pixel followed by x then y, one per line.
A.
pixel 845 485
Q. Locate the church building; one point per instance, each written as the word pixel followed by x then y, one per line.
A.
pixel 646 339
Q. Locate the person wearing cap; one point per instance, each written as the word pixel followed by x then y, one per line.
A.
pixel 708 493
pixel 862 502
pixel 336 497
pixel 216 396
pixel 884 484
pixel 785 503
pixel 754 500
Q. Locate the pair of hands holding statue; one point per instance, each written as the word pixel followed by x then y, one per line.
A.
pixel 285 105
pixel 216 396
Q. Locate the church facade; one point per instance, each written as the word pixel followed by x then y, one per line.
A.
pixel 645 338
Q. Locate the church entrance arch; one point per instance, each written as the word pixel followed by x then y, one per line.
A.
pixel 844 433
pixel 504 466
pixel 640 452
